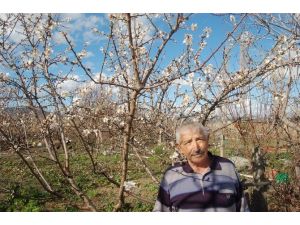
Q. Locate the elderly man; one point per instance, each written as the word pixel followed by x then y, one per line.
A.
pixel 206 182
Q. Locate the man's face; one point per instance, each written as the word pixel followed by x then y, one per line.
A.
pixel 194 146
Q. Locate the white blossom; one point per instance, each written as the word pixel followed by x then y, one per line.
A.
pixel 120 109
pixel 76 100
pixel 83 91
pixel 208 69
pixel 203 44
pixel 4 77
pixel 232 19
pixel 54 125
pixel 64 93
pixel 207 31
pixel 86 132
pixel 267 60
pixel 29 63
pixel 39 34
pixel 188 39
pixel 166 73
pixel 74 78
pixel 194 26
pixel 191 76
pixel 82 54
pixel 186 100
pixel 246 37
pixel 96 132
pixel 5 124
pixel 35 53
pixel 142 50
pixel 47 52
pixel 160 34
pixel 64 59
pixel 199 91
pixel 282 38
pixel 129 185
pixel 104 153
pixel 105 120
pixel 174 156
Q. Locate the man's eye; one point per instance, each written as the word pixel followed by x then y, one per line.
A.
pixel 187 142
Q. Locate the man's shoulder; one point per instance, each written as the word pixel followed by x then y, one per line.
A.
pixel 174 170
pixel 221 159
pixel 174 173
pixel 222 163
pixel 175 167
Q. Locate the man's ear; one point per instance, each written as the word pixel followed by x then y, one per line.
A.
pixel 177 146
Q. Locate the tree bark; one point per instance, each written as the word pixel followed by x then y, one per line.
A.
pixel 127 137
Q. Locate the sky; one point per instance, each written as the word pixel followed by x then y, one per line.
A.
pixel 83 29
pixel 82 26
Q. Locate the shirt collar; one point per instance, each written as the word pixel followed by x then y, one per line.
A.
pixel 215 164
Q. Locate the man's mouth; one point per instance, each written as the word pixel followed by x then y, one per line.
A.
pixel 198 153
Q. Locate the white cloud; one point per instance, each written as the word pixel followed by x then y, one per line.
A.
pixel 72 16
pixel 58 38
pixel 81 26
pixel 69 85
pixel 90 36
pixel 90 64
pixel 146 26
pixel 80 22
pixel 181 82
pixel 89 54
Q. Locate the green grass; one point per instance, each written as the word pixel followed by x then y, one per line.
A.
pixel 30 196
pixel 277 161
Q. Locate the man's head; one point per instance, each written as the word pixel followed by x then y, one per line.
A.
pixel 192 141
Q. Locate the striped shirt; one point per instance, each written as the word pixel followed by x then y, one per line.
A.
pixel 218 190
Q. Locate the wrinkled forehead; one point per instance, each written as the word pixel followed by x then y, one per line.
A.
pixel 190 132
pixel 194 128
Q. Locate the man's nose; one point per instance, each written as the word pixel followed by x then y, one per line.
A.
pixel 195 144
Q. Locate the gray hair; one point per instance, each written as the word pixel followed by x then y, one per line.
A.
pixel 191 126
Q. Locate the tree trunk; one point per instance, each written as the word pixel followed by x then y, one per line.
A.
pixel 222 138
pixel 127 137
pixel 297 169
pixel 88 203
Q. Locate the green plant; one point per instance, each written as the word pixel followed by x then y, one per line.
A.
pixel 24 205
pixel 69 208
pixel 142 207
pixel 92 193
pixel 159 150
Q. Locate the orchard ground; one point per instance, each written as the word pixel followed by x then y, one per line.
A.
pixel 20 191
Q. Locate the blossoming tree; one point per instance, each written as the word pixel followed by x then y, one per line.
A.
pixel 140 92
